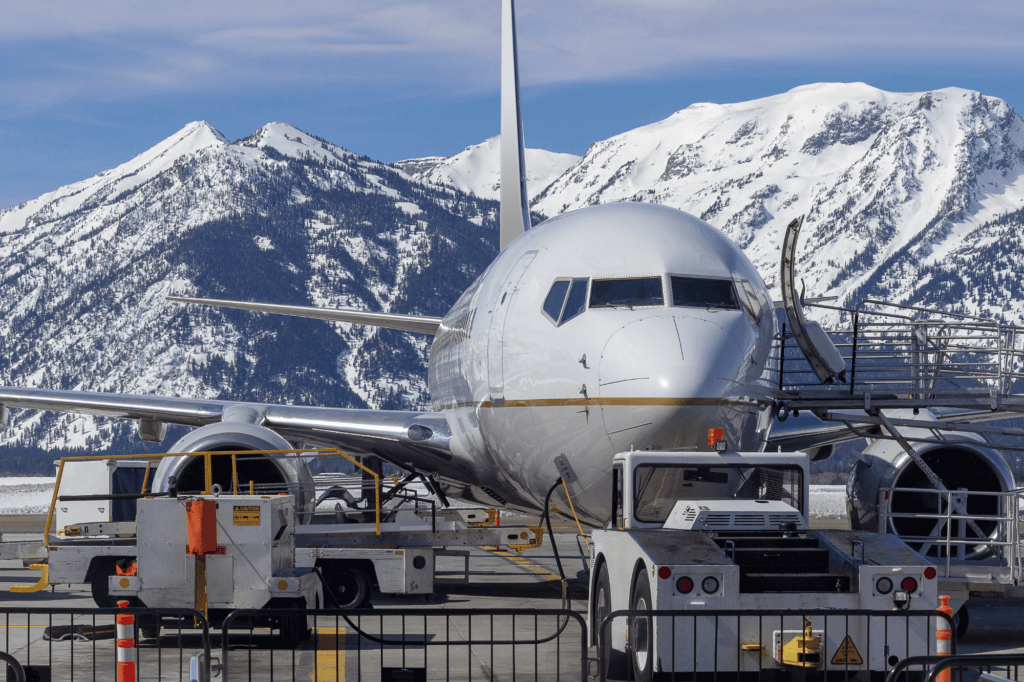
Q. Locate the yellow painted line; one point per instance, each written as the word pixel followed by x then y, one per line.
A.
pixel 4 627
pixel 525 563
pixel 330 655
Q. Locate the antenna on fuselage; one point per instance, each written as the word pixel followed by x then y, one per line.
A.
pixel 514 214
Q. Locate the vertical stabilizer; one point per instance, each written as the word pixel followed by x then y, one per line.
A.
pixel 515 211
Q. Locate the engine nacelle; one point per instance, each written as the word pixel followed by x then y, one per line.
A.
pixel 966 463
pixel 285 473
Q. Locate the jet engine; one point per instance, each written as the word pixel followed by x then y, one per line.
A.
pixel 280 473
pixel 964 464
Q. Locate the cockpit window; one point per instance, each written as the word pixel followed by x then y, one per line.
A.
pixel 577 301
pixel 749 300
pixel 556 298
pixel 561 308
pixel 701 292
pixel 632 292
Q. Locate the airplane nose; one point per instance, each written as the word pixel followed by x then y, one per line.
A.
pixel 664 369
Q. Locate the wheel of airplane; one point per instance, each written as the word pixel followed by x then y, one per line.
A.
pixel 640 631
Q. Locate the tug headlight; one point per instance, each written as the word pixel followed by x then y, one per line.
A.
pixel 709 585
pixel 883 586
pixel 684 585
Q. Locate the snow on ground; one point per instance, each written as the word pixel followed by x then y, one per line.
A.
pixel 32 494
pixel 25 495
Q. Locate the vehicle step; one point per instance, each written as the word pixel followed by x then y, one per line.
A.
pixel 755 542
pixel 793 582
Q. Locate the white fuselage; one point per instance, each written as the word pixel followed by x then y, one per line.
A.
pixel 519 390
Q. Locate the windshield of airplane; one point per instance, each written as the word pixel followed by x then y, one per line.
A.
pixel 657 487
pixel 632 292
pixel 701 292
pixel 561 308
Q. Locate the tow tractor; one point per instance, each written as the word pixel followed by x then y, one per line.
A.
pixel 713 531
pixel 226 550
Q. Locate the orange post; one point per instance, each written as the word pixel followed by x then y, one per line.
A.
pixel 125 644
pixel 943 635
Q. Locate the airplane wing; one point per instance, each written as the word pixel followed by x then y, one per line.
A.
pixel 418 441
pixel 407 323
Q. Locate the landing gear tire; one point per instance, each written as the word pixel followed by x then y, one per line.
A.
pixel 615 664
pixel 962 620
pixel 347 588
pixel 640 631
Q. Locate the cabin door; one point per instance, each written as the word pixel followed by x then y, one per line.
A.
pixel 498 331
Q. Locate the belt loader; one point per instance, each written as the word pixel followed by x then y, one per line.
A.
pixel 259 551
pixel 715 531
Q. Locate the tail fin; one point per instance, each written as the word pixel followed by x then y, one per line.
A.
pixel 514 216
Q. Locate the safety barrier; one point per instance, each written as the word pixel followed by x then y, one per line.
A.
pixel 407 644
pixel 688 645
pixel 932 667
pixel 59 644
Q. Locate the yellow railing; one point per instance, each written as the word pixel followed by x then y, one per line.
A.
pixel 208 472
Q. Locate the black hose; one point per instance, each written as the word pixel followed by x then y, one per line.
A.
pixel 554 545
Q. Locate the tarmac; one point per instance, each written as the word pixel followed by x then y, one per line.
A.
pixel 545 648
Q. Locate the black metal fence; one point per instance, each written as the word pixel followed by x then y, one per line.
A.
pixel 931 668
pixel 732 644
pixel 56 644
pixel 410 645
pixel 477 644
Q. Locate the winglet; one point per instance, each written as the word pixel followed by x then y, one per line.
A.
pixel 514 215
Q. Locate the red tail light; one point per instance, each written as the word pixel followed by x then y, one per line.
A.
pixel 909 584
pixel 684 585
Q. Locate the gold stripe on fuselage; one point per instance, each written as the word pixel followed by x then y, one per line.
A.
pixel 629 402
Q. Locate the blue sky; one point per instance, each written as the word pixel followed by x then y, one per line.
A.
pixel 86 86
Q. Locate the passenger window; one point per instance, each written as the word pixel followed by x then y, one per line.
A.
pixel 633 292
pixel 561 308
pixel 701 292
pixel 556 297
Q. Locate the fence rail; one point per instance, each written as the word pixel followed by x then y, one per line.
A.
pixel 474 644
pixel 425 643
pixel 80 644
pixel 931 356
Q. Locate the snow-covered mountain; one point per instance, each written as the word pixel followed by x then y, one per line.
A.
pixel 916 197
pixel 280 216
pixel 476 169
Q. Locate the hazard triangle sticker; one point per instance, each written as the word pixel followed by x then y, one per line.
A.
pixel 847 654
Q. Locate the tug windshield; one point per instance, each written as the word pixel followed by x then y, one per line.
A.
pixel 657 487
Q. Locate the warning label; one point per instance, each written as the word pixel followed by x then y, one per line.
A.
pixel 246 515
pixel 847 654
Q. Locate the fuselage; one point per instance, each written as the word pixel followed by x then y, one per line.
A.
pixel 616 327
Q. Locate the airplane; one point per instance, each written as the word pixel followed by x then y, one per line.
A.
pixel 609 328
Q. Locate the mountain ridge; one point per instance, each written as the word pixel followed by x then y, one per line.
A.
pixel 912 196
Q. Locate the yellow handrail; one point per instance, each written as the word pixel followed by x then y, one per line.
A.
pixel 207 470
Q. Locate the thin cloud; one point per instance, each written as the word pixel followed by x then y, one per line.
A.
pixel 124 47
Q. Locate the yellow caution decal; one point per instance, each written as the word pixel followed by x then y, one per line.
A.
pixel 246 515
pixel 847 654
